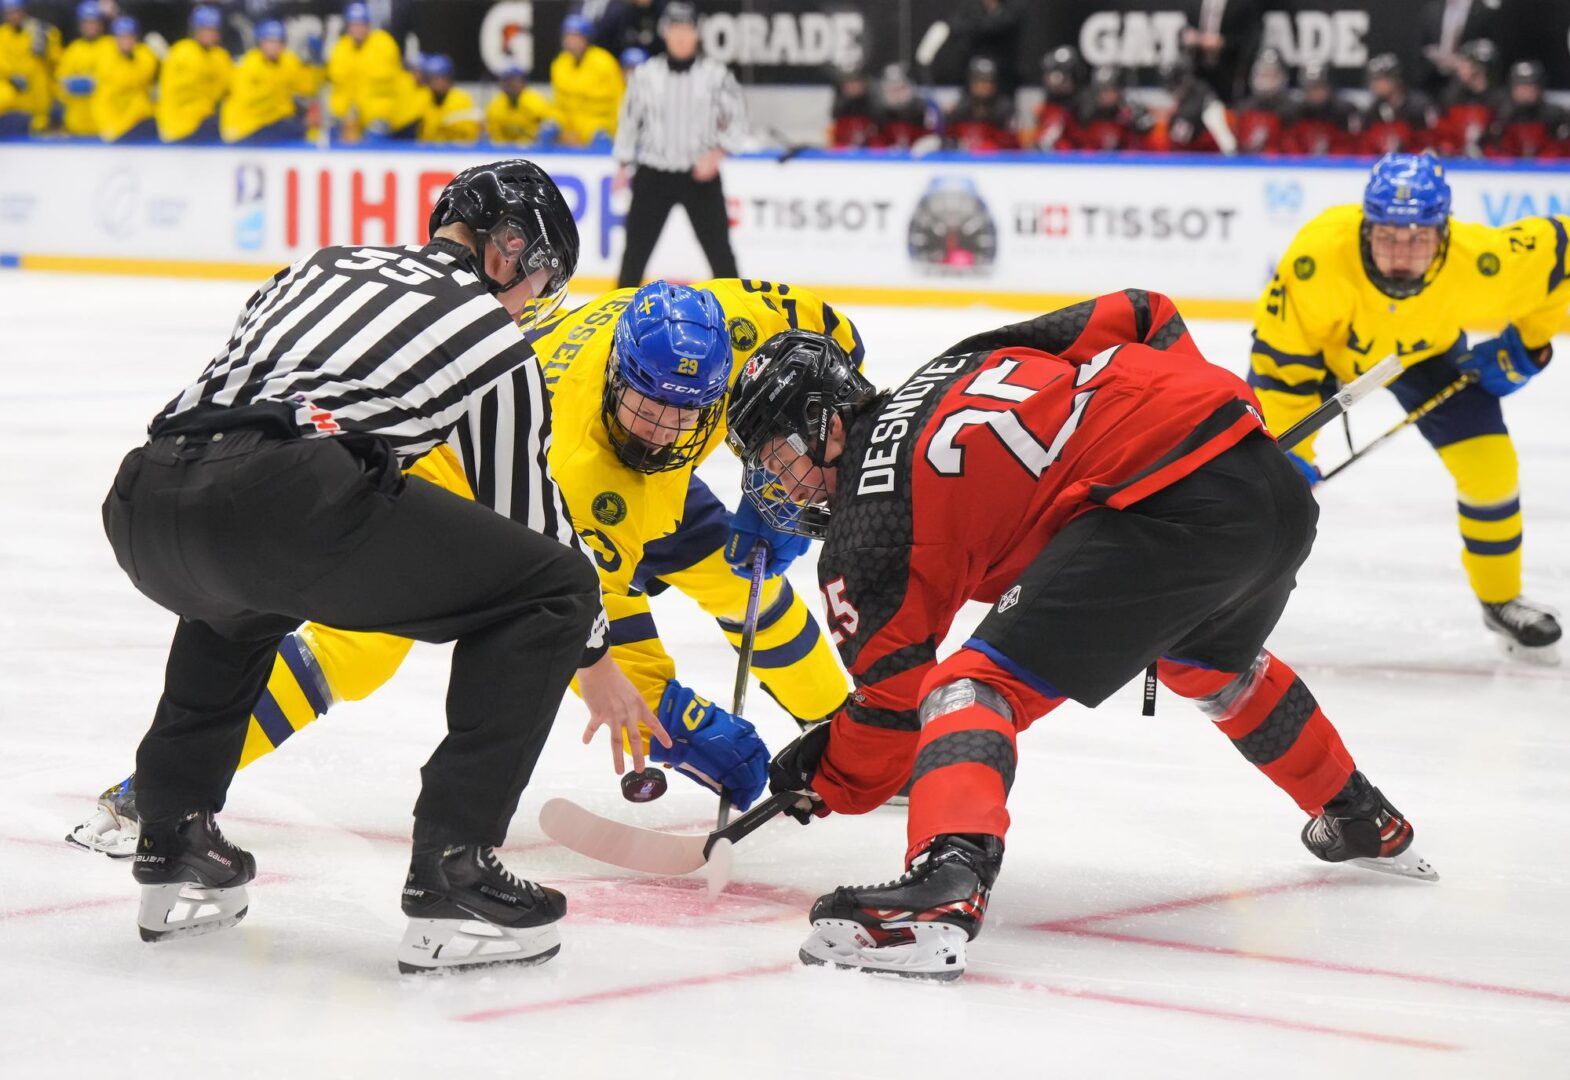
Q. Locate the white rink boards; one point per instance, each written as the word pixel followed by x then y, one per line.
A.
pixel 1156 915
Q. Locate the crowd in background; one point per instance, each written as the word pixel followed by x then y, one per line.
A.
pixel 1224 93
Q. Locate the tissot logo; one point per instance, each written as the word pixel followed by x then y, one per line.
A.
pixel 1089 222
pixel 812 215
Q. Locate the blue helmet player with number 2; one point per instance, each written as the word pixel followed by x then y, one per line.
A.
pixel 1397 275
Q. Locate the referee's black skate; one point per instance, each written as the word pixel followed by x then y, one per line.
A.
pixel 917 925
pixel 1360 826
pixel 468 910
pixel 1527 630
pixel 193 880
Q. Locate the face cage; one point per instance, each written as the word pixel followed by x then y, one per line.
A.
pixel 526 257
pixel 761 485
pixel 1401 288
pixel 640 455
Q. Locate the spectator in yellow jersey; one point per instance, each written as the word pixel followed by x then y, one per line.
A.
pixel 269 85
pixel 369 86
pixel 514 115
pixel 194 79
pixel 123 98
pixel 29 50
pixel 451 116
pixel 77 74
pixel 586 85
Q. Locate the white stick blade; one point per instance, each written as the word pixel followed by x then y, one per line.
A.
pixel 620 844
pixel 717 871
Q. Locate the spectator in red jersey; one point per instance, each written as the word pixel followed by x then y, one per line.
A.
pixel 1197 121
pixel 852 124
pixel 903 116
pixel 1107 119
pixel 1467 109
pixel 1320 123
pixel 983 119
pixel 1397 119
pixel 1055 126
pixel 1262 116
pixel 1528 126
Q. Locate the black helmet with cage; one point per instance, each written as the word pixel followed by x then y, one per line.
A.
pixel 788 393
pixel 517 208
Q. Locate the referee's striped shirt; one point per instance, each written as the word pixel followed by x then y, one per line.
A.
pixel 405 343
pixel 673 113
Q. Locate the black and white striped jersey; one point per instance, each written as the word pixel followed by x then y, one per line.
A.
pixel 674 113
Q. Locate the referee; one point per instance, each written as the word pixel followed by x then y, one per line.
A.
pixel 682 113
pixel 271 493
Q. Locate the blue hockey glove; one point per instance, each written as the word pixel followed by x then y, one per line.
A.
pixel 1309 470
pixel 313 49
pixel 747 528
pixel 720 751
pixel 550 131
pixel 1502 364
pixel 601 141
pixel 80 85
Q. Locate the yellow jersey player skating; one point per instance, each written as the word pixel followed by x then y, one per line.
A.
pixel 1398 276
pixel 624 460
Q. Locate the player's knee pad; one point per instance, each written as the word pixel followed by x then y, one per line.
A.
pixel 962 694
pixel 1235 696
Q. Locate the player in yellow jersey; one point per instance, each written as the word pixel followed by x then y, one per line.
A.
pixel 450 113
pixel 366 74
pixel 194 78
pixel 123 94
pixel 29 51
pixel 649 521
pixel 76 76
pixel 516 114
pixel 263 105
pixel 586 85
pixel 1397 275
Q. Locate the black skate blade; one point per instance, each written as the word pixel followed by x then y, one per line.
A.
pixel 912 976
pixel 198 930
pixel 407 968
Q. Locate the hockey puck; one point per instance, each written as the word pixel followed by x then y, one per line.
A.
pixel 644 786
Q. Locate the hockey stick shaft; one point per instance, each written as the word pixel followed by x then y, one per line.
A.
pixel 1359 388
pixel 749 632
pixel 1411 418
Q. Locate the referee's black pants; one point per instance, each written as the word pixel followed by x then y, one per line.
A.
pixel 654 193
pixel 246 535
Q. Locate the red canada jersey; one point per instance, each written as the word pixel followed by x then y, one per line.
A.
pixel 950 486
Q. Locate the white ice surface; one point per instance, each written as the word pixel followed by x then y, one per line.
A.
pixel 1156 916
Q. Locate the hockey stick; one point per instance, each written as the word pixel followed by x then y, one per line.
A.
pixel 720 857
pixel 1411 418
pixel 1343 399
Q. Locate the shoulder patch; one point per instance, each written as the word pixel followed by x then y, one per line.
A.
pixel 1304 266
pixel 609 508
pixel 743 333
pixel 1488 264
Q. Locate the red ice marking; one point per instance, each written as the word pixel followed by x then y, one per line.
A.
pixel 639 901
pixel 625 992
pixel 1164 906
pixel 103 901
pixel 1214 1014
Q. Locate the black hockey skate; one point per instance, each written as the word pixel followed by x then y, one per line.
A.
pixel 1527 630
pixel 1361 827
pixel 192 879
pixel 112 829
pixel 916 925
pixel 468 910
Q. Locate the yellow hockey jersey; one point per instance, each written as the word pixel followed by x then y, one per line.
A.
pixel 454 119
pixel 587 92
pixel 124 96
pixel 1322 316
pixel 81 59
pixel 516 120
pixel 192 82
pixel 366 78
pixel 263 92
pixel 30 53
pixel 616 510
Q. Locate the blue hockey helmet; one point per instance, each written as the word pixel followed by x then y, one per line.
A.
pixel 89 11
pixel 12 5
pixel 206 18
pixel 270 30
pixel 357 13
pixel 1407 189
pixel 632 56
pixel 123 25
pixel 577 23
pixel 670 348
pixel 436 66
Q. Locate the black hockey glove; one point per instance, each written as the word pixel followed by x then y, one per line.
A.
pixel 793 769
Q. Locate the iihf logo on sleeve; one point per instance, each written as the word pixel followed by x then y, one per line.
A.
pixel 1008 600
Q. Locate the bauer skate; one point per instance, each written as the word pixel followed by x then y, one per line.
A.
pixel 917 925
pixel 1527 630
pixel 468 910
pixel 111 830
pixel 193 880
pixel 1359 826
